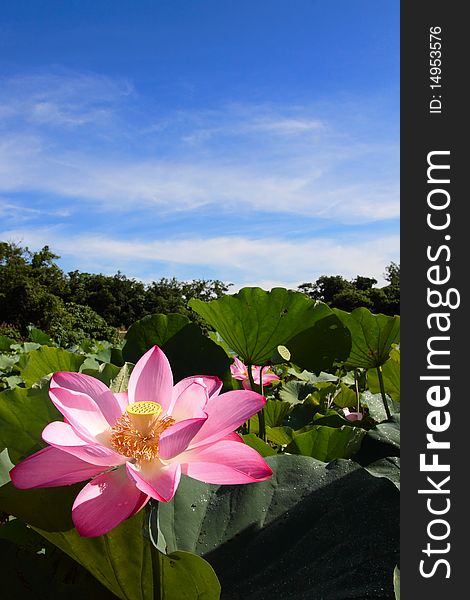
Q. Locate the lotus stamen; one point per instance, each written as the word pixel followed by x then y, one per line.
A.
pixel 137 433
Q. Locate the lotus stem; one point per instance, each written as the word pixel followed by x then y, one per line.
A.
pixel 262 424
pixel 382 391
pixel 356 384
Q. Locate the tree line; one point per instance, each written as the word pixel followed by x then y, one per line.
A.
pixel 75 306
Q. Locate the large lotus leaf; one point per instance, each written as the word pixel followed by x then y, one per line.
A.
pixel 301 415
pixel 327 443
pixel 390 375
pixel 275 411
pixel 121 382
pixel 39 336
pixel 7 362
pixel 372 337
pixel 381 441
pixel 251 439
pixel 190 352
pixel 105 372
pixel 386 467
pixel 23 349
pixel 296 392
pixel 127 564
pixel 152 330
pixel 45 360
pixel 36 570
pixel 346 397
pixel 375 405
pixel 311 377
pixel 311 531
pixel 5 343
pixel 47 508
pixel 5 467
pixel 23 414
pixel 122 560
pixel 319 347
pixel 254 322
pixel 280 436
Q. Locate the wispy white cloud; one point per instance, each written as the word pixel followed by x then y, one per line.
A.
pixel 27 163
pixel 94 146
pixel 63 99
pixel 244 261
pixel 288 126
pixel 249 121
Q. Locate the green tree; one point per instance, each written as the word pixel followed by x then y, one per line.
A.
pixel 350 298
pixel 29 282
pixel 172 296
pixel 118 299
pixel 34 290
pixel 326 287
pixel 74 323
pixel 392 274
pixel 337 292
pixel 391 304
pixel 32 287
pixel 364 284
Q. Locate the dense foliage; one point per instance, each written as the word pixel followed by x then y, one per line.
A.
pixel 337 292
pixel 74 306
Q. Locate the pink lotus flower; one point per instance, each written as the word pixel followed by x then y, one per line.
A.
pixel 240 371
pixel 352 416
pixel 135 445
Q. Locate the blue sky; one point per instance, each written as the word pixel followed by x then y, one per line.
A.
pixel 256 142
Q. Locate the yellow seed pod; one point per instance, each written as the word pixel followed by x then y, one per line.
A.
pixel 143 414
pixel 144 408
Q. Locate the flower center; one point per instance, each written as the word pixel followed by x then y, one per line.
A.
pixel 136 434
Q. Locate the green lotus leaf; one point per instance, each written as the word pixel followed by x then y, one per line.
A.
pixel 49 509
pixel 39 336
pixel 327 443
pixel 295 392
pixel 126 563
pixel 36 569
pixel 296 535
pixel 257 443
pixel 391 377
pixel 105 372
pixel 5 466
pixel 319 347
pixel 381 441
pixel 152 330
pixel 46 360
pixel 275 411
pixel 24 413
pixel 255 322
pixel 190 352
pixel 372 337
pixel 5 343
